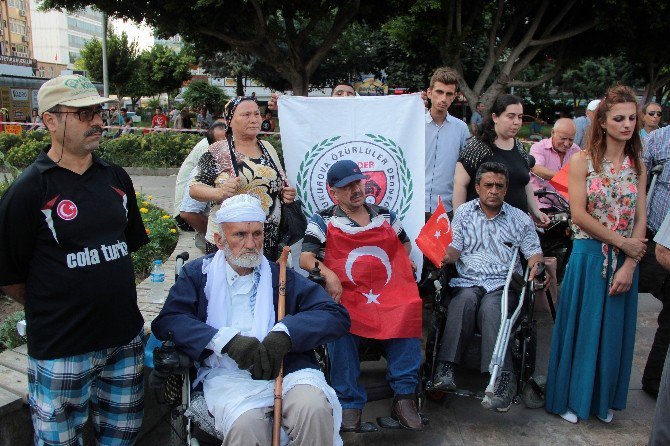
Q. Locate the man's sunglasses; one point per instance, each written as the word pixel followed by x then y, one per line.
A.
pixel 654 113
pixel 87 114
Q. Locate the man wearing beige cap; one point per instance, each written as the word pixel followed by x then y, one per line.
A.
pixel 67 227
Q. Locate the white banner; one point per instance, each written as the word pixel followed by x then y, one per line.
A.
pixel 385 135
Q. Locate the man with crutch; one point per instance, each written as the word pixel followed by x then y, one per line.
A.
pixel 223 312
pixel 486 236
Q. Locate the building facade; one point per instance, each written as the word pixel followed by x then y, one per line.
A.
pixel 58 37
pixel 16 46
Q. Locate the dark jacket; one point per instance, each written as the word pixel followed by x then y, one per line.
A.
pixel 312 317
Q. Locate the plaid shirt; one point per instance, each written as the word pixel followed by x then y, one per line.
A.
pixel 657 151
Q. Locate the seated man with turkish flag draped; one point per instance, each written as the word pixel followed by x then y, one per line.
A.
pixel 486 233
pixel 364 251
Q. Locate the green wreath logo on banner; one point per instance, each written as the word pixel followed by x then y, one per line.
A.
pixel 405 175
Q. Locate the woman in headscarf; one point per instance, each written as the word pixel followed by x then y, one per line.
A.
pixel 242 163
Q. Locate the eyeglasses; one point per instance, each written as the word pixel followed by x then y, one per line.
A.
pixel 654 113
pixel 87 114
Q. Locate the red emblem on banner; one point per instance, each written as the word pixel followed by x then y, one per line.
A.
pixel 436 235
pixel 374 186
pixel 66 210
pixel 378 286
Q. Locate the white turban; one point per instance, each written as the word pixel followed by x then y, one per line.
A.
pixel 240 208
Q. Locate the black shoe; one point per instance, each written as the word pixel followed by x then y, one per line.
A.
pixel 650 387
pixel 444 376
pixel 504 393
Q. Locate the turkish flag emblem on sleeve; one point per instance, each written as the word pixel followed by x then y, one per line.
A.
pixel 560 181
pixel 436 235
pixel 378 286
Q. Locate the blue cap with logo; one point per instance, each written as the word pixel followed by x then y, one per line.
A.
pixel 344 172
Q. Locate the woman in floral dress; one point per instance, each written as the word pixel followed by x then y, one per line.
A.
pixel 594 335
pixel 243 164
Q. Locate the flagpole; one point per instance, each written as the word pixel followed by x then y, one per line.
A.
pixel 105 79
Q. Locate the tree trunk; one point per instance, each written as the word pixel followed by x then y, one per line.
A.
pixel 300 86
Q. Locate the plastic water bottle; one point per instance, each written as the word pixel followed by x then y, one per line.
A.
pixel 157 292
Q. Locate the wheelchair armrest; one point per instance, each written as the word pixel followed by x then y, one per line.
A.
pixel 171 361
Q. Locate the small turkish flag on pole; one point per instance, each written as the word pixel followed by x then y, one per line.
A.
pixel 560 181
pixel 436 235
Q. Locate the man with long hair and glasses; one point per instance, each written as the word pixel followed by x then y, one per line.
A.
pixel 67 227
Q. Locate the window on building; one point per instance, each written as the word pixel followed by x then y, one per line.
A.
pixel 40 72
pixel 76 41
pixel 74 55
pixel 81 25
pixel 19 4
pixel 20 50
pixel 17 26
pixel 50 72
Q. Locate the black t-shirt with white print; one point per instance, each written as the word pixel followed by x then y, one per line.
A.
pixel 68 237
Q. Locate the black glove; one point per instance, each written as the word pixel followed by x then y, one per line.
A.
pixel 241 349
pixel 268 357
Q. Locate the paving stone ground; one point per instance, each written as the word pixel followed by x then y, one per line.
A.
pixel 462 421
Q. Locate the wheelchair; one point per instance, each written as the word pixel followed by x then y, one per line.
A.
pixel 518 330
pixel 556 239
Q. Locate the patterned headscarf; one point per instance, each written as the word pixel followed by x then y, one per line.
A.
pixel 229 110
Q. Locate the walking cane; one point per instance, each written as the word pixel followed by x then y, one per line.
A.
pixel 281 309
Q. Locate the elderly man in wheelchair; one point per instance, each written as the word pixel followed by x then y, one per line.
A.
pixel 222 312
pixel 487 235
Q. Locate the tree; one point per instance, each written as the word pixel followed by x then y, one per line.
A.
pixel 200 93
pixel 230 64
pixel 166 70
pixel 491 43
pixel 122 61
pixel 291 37
pixel 593 76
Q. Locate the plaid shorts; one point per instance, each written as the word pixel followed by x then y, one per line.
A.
pixel 111 380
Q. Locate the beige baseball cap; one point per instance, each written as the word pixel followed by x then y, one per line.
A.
pixel 72 90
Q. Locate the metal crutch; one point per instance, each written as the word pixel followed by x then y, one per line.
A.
pixel 506 324
pixel 654 172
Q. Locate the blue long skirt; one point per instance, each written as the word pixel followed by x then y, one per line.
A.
pixel 594 336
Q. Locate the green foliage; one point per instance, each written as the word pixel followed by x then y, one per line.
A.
pixel 122 61
pixel 37 135
pixel 8 140
pixel 164 70
pixel 162 232
pixel 9 337
pixel 162 149
pixel 199 93
pixel 23 155
pixel 8 177
pixel 125 150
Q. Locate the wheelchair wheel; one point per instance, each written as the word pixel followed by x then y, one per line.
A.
pixel 177 428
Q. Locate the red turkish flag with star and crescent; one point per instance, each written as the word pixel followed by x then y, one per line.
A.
pixel 436 235
pixel 378 286
pixel 560 181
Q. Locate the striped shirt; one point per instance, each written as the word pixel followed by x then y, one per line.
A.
pixel 657 151
pixel 487 245
pixel 663 234
pixel 317 227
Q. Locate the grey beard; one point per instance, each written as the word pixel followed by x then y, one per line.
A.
pixel 247 260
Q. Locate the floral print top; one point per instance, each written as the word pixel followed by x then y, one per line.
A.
pixel 258 177
pixel 611 198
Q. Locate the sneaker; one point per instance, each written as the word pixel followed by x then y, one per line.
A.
pixel 444 376
pixel 569 416
pixel 504 392
pixel 609 418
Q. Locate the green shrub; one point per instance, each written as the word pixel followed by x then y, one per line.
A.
pixel 162 232
pixel 9 337
pixel 37 135
pixel 162 149
pixel 8 177
pixel 124 150
pixel 8 140
pixel 22 156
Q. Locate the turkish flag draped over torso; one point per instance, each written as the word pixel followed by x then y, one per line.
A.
pixel 378 287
